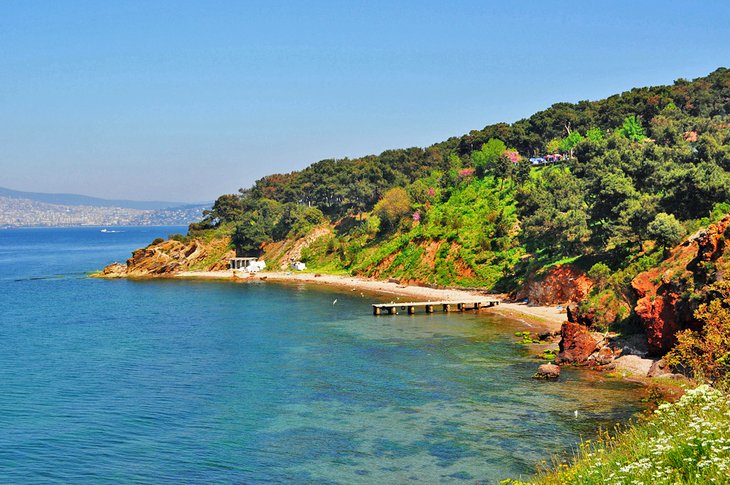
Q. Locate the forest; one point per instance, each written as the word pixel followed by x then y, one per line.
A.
pixel 647 165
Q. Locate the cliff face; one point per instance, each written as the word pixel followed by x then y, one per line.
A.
pixel 170 257
pixel 669 294
pixel 560 284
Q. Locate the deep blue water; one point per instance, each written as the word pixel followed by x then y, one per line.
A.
pixel 216 382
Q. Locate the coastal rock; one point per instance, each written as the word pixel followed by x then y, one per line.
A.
pixel 661 369
pixel 583 316
pixel 547 336
pixel 606 355
pixel 172 256
pixel 659 316
pixel 114 270
pixel 547 371
pixel 576 343
pixel 561 284
pixel 633 364
pixel 658 368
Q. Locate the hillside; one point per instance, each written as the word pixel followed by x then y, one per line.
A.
pixel 85 200
pixel 586 196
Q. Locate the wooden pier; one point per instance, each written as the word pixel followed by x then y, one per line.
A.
pixel 446 306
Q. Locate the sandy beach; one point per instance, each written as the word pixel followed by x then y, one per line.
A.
pixel 547 318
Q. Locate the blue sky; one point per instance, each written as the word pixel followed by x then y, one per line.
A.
pixel 188 100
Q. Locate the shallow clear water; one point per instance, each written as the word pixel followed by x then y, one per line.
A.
pixel 212 382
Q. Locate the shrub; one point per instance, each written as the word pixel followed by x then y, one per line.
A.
pixel 665 229
pixel 705 353
pixel 373 225
pixel 394 205
pixel 178 237
pixel 599 273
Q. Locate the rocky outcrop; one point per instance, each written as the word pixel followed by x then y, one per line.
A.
pixel 560 284
pixel 170 257
pixel 576 343
pixel 579 346
pixel 658 314
pixel 669 294
pixel 547 371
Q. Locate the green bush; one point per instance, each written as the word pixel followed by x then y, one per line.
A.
pixel 599 273
pixel 705 354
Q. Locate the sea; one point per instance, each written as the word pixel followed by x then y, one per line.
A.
pixel 169 381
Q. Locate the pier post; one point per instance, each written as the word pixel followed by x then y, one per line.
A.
pixel 447 307
pixel 459 307
pixel 429 308
pixel 477 305
pixel 392 310
pixel 376 310
pixel 411 310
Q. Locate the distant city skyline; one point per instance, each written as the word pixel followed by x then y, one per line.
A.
pixel 188 100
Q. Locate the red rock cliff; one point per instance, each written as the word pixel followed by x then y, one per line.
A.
pixel 560 284
pixel 669 294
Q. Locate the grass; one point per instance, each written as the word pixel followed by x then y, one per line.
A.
pixel 687 442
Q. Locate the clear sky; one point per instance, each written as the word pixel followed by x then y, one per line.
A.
pixel 184 101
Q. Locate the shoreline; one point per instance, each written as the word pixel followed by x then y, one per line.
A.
pixel 540 318
pixel 546 318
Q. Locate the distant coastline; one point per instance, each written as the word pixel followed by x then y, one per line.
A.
pixel 30 213
pixel 91 226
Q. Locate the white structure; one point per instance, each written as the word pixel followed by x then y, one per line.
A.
pixel 246 264
pixel 256 266
pixel 298 266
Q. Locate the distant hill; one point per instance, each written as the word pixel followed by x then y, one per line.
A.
pixel 31 209
pixel 76 200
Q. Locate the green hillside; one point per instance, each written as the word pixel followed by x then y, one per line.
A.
pixel 648 165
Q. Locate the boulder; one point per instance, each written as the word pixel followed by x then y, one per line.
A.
pixel 576 343
pixel 547 336
pixel 661 369
pixel 606 355
pixel 658 368
pixel 547 371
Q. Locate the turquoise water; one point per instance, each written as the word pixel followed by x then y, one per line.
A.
pixel 215 382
